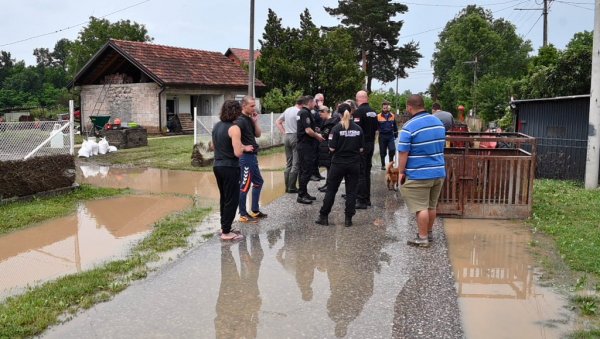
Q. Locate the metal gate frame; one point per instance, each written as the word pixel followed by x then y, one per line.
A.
pixel 495 183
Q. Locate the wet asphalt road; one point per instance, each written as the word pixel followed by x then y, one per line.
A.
pixel 291 278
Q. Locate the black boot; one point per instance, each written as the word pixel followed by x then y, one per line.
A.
pixel 348 221
pixel 292 183
pixel 323 188
pixel 286 180
pixel 323 220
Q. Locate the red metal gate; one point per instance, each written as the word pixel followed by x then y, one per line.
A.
pixel 486 182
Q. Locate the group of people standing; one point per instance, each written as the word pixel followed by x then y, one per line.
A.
pixel 345 142
pixel 342 142
pixel 236 164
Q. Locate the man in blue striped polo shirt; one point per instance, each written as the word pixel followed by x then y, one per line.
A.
pixel 421 166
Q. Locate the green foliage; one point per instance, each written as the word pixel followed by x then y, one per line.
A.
pixel 277 100
pixel 559 73
pixel 97 33
pixel 308 60
pixel 501 56
pixel 506 123
pixel 375 29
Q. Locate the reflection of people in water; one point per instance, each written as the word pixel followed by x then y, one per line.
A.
pixel 239 297
pixel 351 273
pixel 302 252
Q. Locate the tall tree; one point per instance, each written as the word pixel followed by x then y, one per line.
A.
pixel 474 45
pixel 308 59
pixel 96 34
pixel 375 33
pixel 559 73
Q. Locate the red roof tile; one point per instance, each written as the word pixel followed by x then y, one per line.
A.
pixel 243 54
pixel 184 66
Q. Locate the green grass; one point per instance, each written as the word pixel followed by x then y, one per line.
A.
pixel 17 215
pixel 31 313
pixel 168 153
pixel 569 214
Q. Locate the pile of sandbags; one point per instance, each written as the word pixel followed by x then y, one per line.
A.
pixel 91 147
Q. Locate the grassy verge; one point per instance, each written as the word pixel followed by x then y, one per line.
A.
pixel 168 153
pixel 34 311
pixel 17 215
pixel 569 215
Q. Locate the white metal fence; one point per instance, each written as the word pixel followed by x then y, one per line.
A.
pixel 270 134
pixel 22 140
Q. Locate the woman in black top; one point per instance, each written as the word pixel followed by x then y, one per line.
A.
pixel 227 144
pixel 346 142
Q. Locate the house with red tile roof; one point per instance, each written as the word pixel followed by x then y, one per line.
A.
pixel 152 84
pixel 241 56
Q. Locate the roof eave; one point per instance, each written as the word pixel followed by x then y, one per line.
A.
pixel 552 99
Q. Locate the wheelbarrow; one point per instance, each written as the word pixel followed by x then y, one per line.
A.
pixel 98 123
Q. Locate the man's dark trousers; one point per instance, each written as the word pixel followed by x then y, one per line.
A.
pixel 364 181
pixel 387 144
pixel 306 156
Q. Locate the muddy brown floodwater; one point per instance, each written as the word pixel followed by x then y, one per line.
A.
pixel 496 282
pixel 202 185
pixel 99 230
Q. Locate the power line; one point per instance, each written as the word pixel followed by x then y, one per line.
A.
pixel 576 4
pixel 73 26
pixel 457 6
pixel 535 23
pixel 438 28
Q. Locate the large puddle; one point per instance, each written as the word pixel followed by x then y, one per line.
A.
pixel 496 282
pixel 105 229
pixel 202 185
pixel 99 230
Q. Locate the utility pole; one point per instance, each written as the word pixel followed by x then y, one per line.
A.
pixel 545 14
pixel 474 63
pixel 251 55
pixel 592 165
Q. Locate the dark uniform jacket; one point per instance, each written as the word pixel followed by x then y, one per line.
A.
pixel 324 154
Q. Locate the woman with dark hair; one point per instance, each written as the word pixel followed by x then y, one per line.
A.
pixel 346 142
pixel 228 147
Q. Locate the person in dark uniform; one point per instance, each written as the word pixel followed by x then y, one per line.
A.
pixel 308 140
pixel 319 101
pixel 329 122
pixel 228 147
pixel 366 118
pixel 388 132
pixel 346 142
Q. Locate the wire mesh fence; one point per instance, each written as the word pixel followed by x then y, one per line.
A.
pixel 19 139
pixel 270 134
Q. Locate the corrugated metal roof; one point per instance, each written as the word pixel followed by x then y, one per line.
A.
pixel 550 99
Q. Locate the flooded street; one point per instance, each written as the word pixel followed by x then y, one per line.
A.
pixel 202 185
pixel 106 229
pixel 99 230
pixel 496 282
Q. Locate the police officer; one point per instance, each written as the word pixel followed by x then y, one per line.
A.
pixel 308 141
pixel 366 118
pixel 346 142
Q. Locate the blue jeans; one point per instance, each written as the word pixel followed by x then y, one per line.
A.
pixel 249 174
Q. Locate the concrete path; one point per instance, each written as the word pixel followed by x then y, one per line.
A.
pixel 291 278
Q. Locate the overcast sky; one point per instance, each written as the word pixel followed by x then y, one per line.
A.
pixel 217 25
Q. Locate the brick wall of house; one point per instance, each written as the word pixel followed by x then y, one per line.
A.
pixel 129 102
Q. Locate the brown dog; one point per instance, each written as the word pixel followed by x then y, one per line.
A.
pixel 391 177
